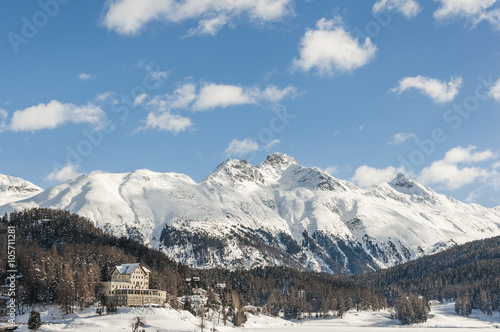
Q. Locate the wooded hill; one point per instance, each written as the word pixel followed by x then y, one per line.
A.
pixel 469 272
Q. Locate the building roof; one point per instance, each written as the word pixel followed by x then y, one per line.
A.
pixel 129 268
pixel 250 307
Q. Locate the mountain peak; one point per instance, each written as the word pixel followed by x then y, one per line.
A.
pixel 13 189
pixel 237 170
pixel 404 185
pixel 232 163
pixel 283 159
pixel 11 183
pixel 401 181
pixel 277 163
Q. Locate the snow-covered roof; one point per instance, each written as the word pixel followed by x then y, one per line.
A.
pixel 129 268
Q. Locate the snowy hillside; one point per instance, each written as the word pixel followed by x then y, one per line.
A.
pixel 275 213
pixel 13 189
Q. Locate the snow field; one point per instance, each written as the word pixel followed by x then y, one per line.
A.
pixel 441 318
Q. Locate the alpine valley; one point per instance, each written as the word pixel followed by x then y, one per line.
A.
pixel 275 213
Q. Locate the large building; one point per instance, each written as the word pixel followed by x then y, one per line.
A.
pixel 129 286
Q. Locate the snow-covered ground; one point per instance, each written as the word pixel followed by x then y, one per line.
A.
pixel 441 318
pixel 157 319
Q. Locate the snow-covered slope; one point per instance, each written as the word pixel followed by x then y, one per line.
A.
pixel 275 213
pixel 13 189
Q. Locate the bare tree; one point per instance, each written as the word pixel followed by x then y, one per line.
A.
pixel 67 289
pixel 201 312
pixel 137 322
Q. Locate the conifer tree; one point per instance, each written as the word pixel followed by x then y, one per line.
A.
pixel 34 321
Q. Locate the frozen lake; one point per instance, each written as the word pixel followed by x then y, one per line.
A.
pixel 441 318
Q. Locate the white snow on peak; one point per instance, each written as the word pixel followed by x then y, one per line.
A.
pixel 235 171
pixel 13 189
pixel 280 160
pixel 277 199
pixel 276 164
pixel 406 186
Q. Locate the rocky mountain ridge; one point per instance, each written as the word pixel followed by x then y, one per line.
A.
pixel 274 213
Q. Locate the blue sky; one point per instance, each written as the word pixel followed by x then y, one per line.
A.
pixel 362 89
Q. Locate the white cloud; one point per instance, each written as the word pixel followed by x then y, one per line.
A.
pixel 467 155
pixel 208 96
pixel 167 122
pixel 474 11
pixel 462 8
pixel 221 95
pixel 332 170
pixel 400 138
pixel 473 196
pixel 366 176
pixel 271 144
pixel 450 176
pixel 210 26
pixel 489 188
pixel 495 91
pixel 129 17
pixel 161 117
pixel 85 76
pixel 274 94
pixel 184 96
pixel 409 8
pixel 66 173
pixel 213 95
pixel 140 99
pixel 105 96
pixel 330 48
pixel 241 147
pixel 450 172
pixel 55 114
pixel 439 91
pixel 181 98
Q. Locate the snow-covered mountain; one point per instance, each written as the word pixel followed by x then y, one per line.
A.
pixel 14 189
pixel 275 213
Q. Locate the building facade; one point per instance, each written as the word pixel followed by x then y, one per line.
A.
pixel 197 300
pixel 129 286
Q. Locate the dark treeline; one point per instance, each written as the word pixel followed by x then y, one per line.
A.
pixel 63 257
pixel 298 293
pixel 469 273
